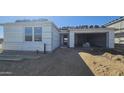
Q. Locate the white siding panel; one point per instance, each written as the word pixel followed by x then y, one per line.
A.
pixel 47 36
pixel 33 46
pixel 13 46
pixel 13 34
pixel 55 38
pixel 1 46
pixel 117 25
pixel 111 39
pixel 71 40
pixel 15 37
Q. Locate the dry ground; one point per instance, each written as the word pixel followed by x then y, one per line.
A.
pixel 62 62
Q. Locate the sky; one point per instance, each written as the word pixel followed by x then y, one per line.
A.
pixel 61 20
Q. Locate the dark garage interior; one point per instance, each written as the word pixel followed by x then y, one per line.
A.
pixel 94 39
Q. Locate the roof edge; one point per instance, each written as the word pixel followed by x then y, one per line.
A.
pixel 114 21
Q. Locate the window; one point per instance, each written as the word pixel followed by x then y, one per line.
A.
pixel 28 34
pixel 37 34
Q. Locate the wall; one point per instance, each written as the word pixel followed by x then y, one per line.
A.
pixel 71 39
pixel 119 39
pixel 55 37
pixel 117 25
pixel 14 35
pixel 111 39
pixel 1 46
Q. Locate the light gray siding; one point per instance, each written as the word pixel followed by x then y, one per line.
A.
pixel 55 37
pixel 71 40
pixel 111 39
pixel 119 36
pixel 1 46
pixel 14 35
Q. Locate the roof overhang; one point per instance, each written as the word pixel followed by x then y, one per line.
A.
pixel 114 21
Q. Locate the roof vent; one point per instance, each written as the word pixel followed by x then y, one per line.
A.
pixel 41 19
pixel 25 20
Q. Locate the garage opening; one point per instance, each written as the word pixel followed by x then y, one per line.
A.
pixel 94 39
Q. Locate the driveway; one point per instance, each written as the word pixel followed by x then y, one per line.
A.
pixel 62 62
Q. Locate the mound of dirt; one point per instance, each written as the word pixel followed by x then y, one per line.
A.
pixel 104 65
pixel 107 55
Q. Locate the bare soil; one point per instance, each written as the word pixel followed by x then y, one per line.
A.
pixel 62 62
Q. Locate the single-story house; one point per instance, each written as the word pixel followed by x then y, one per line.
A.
pixel 39 34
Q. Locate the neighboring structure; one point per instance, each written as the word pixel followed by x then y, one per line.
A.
pixel 117 24
pixel 29 35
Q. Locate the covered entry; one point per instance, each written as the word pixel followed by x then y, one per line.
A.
pixel 64 39
pixel 94 39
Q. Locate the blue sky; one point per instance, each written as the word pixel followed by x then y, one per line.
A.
pixel 62 20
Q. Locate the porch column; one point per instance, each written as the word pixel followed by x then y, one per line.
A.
pixel 71 39
pixel 110 39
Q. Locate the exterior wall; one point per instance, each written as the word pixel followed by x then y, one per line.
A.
pixel 119 39
pixel 111 40
pixel 71 39
pixel 14 37
pixel 1 46
pixel 55 37
pixel 117 25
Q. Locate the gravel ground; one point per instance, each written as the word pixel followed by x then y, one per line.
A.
pixel 62 62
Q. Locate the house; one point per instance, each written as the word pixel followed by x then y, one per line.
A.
pixel 32 35
pixel 117 24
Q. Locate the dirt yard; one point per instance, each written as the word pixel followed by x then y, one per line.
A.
pixel 62 62
pixel 106 64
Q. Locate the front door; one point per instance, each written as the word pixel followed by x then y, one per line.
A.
pixel 64 40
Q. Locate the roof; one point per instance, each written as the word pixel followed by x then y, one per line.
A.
pixel 88 30
pixel 114 21
pixel 81 27
pixel 25 21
